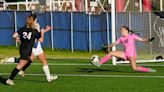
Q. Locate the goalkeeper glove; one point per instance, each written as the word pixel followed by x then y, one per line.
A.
pixel 151 39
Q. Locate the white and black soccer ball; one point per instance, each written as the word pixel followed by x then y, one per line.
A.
pixel 95 58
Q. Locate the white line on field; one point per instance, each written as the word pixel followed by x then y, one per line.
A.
pixel 99 76
pixel 84 64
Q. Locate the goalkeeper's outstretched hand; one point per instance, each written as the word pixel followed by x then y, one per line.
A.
pixel 151 39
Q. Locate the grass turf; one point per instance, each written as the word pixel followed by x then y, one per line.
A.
pixel 83 78
pixel 79 78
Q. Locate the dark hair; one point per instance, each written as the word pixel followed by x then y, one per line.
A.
pixel 33 15
pixel 129 31
pixel 125 27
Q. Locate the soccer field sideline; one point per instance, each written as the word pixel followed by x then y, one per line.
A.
pixel 87 75
pixel 82 75
pixel 84 64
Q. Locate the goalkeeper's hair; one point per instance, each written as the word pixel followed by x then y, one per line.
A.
pixel 126 28
pixel 129 31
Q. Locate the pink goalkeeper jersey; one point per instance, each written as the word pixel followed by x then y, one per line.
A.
pixel 129 45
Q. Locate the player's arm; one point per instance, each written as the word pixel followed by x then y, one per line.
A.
pixel 111 45
pixel 48 28
pixel 145 40
pixel 16 37
pixel 105 48
pixel 41 39
pixel 142 39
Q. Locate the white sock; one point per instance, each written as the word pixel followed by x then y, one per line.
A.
pixel 46 71
pixel 10 60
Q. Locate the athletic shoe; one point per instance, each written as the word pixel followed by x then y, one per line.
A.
pixel 52 78
pixel 152 70
pixel 21 73
pixel 96 64
pixel 9 82
pixel 3 60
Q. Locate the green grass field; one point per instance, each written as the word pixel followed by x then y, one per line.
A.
pixel 76 74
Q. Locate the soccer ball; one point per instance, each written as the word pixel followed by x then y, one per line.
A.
pixel 95 58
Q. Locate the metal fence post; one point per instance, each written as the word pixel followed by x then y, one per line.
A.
pixel 52 35
pixel 107 22
pixel 150 26
pixel 90 35
pixel 15 25
pixel 72 47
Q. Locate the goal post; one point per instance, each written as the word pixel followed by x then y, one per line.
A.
pixel 113 21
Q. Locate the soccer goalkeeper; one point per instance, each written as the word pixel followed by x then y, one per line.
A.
pixel 128 41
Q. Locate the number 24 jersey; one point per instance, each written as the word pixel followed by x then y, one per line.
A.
pixel 28 36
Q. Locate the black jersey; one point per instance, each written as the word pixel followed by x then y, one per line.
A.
pixel 27 37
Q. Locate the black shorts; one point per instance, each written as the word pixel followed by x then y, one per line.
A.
pixel 25 53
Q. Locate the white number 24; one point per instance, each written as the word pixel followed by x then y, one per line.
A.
pixel 27 35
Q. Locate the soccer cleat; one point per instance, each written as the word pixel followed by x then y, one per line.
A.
pixel 52 78
pixel 3 60
pixel 21 73
pixel 9 82
pixel 152 70
pixel 96 64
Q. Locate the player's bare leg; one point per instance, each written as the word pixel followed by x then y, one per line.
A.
pixel 21 72
pixel 43 60
pixel 9 60
pixel 3 60
pixel 139 68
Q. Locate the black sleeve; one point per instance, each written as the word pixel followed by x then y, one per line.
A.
pixel 20 31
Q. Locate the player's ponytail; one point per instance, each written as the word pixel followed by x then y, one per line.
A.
pixel 29 22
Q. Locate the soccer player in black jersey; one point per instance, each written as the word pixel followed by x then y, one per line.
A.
pixel 38 52
pixel 27 36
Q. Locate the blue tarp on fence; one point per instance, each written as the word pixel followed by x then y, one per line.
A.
pixel 60 36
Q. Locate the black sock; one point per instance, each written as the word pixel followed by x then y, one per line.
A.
pixel 27 65
pixel 16 60
pixel 14 73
